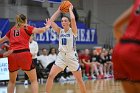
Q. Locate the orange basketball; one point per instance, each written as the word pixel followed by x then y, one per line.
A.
pixel 64 6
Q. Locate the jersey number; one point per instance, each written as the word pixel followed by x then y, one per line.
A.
pixel 64 41
pixel 16 33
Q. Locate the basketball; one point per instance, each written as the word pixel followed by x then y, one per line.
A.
pixel 64 6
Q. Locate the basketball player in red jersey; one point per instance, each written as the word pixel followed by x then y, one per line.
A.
pixel 19 54
pixel 126 53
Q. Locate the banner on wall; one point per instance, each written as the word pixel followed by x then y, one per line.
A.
pixel 4 26
pixel 4 72
pixel 85 36
pixel 54 1
pixel 40 0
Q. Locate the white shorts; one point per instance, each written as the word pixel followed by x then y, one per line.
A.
pixel 69 60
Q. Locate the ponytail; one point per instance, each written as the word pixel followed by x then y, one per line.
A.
pixel 20 19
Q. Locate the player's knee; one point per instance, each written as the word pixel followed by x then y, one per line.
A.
pixel 13 81
pixel 33 80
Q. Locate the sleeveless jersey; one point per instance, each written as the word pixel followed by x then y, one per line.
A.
pixel 19 39
pixel 67 41
pixel 133 28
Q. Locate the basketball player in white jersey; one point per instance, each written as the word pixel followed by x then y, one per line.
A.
pixel 67 56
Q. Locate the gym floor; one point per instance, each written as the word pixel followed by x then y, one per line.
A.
pixel 93 86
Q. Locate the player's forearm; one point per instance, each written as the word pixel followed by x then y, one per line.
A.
pixel 41 30
pixel 71 14
pixel 55 15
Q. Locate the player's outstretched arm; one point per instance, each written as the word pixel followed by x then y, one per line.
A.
pixel 43 29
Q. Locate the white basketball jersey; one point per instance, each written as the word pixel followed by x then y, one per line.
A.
pixel 67 41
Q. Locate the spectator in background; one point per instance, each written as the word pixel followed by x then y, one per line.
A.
pixel 43 58
pixel 80 55
pixel 87 64
pixel 33 46
pixel 107 65
pixel 51 58
pixel 98 67
pixel 103 61
pixel 110 60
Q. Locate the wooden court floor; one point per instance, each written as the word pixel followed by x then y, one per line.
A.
pixel 93 86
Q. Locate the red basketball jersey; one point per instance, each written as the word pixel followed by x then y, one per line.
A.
pixel 133 28
pixel 86 57
pixel 19 39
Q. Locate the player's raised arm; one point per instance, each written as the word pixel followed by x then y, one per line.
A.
pixel 119 23
pixel 73 22
pixel 53 18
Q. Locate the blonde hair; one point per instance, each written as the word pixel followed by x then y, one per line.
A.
pixel 20 19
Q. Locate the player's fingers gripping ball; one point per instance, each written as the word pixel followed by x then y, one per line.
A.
pixel 64 6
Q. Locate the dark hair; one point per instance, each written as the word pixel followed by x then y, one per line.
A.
pixel 66 17
pixel 20 19
pixel 51 50
pixel 43 49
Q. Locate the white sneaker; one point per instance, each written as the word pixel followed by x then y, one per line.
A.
pixel 26 86
pixel 26 82
pixel 62 79
pixel 72 77
pixel 93 77
pixel 106 76
pixel 110 76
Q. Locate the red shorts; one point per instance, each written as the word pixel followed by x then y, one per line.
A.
pixel 21 60
pixel 126 61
